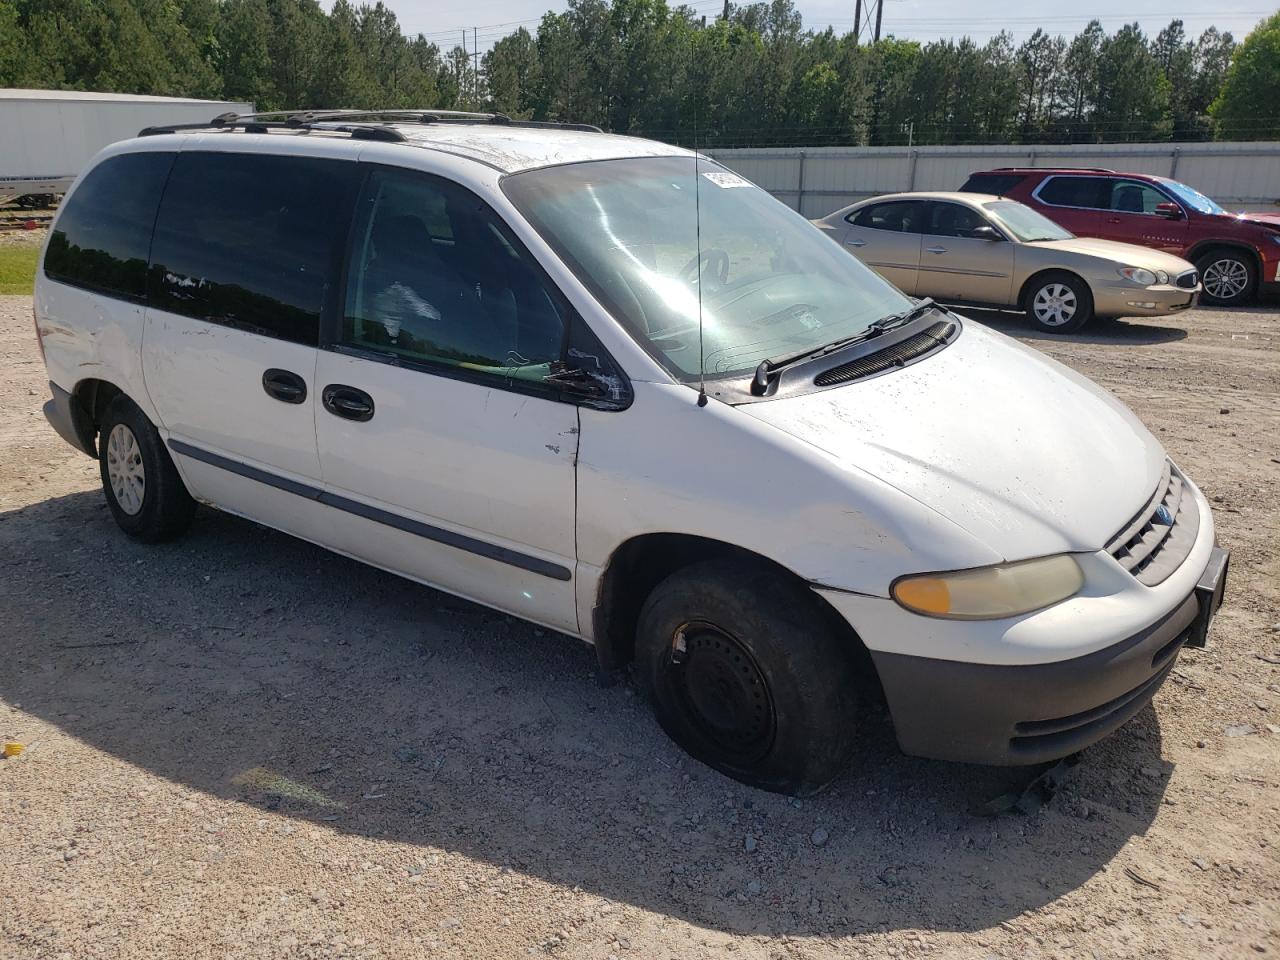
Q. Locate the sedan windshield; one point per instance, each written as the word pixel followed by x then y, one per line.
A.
pixel 660 246
pixel 1024 223
pixel 1191 197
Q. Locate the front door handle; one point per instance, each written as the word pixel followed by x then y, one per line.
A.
pixel 856 243
pixel 347 402
pixel 936 249
pixel 1114 220
pixel 284 385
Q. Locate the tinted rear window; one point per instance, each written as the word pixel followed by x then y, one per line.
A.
pixel 249 240
pixel 104 230
pixel 899 216
pixel 1092 192
pixel 995 183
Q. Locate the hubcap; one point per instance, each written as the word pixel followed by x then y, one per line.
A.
pixel 1054 304
pixel 1225 279
pixel 124 469
pixel 721 691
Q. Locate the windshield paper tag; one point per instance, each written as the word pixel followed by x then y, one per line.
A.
pixel 722 178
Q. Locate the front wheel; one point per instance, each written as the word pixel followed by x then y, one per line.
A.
pixel 1059 303
pixel 746 672
pixel 1227 277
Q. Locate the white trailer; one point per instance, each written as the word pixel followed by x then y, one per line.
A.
pixel 47 136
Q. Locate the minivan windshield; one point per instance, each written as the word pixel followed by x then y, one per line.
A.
pixel 1024 223
pixel 655 243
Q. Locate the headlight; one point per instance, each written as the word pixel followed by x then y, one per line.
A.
pixel 989 593
pixel 1139 276
pixel 1161 277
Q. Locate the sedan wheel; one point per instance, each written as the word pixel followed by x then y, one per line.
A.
pixel 1055 304
pixel 1059 303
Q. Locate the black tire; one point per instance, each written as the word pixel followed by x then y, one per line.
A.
pixel 1078 300
pixel 155 507
pixel 1232 274
pixel 747 673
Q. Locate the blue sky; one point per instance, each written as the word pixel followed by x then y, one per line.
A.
pixel 443 20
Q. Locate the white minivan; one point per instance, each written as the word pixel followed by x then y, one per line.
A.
pixel 613 388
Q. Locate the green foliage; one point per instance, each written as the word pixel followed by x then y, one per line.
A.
pixel 1248 105
pixel 751 76
pixel 18 268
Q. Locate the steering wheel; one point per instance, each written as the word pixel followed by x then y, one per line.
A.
pixel 716 263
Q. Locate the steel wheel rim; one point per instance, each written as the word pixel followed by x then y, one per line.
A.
pixel 125 472
pixel 1055 304
pixel 1225 279
pixel 721 691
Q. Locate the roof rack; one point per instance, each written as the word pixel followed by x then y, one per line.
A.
pixel 355 122
pixel 1059 167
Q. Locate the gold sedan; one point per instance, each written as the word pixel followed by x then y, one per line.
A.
pixel 980 250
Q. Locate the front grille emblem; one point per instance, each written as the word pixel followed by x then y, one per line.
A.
pixel 1163 516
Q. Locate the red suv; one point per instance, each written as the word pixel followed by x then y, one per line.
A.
pixel 1237 255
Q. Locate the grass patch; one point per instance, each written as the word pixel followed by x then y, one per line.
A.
pixel 18 268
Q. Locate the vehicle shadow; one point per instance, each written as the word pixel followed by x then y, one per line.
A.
pixel 252 666
pixel 1117 330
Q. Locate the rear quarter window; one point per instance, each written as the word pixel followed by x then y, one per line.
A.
pixel 251 240
pixel 897 216
pixel 994 183
pixel 1091 192
pixel 103 233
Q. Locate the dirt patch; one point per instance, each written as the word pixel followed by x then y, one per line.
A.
pixel 240 745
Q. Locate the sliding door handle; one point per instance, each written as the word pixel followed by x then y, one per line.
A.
pixel 284 385
pixel 347 402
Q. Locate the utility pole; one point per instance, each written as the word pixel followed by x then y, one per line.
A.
pixel 860 22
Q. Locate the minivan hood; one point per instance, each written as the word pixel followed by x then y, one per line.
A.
pixel 1021 452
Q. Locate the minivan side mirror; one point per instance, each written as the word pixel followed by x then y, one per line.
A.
pixel 1169 209
pixel 985 232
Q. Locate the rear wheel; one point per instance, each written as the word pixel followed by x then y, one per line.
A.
pixel 1059 303
pixel 144 492
pixel 1228 277
pixel 746 673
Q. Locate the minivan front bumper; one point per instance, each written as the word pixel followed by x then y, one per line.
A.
pixel 1020 714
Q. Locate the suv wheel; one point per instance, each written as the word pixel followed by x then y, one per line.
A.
pixel 144 492
pixel 1059 303
pixel 1228 277
pixel 746 673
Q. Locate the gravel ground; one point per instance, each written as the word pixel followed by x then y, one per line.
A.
pixel 242 746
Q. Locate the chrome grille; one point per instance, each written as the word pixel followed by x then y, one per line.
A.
pixel 1156 541
pixel 1187 280
pixel 894 356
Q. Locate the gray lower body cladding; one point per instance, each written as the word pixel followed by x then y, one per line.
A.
pixel 1010 715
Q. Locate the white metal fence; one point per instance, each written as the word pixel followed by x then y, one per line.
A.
pixel 817 180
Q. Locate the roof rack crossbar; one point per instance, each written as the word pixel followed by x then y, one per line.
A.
pixel 1059 167
pixel 312 119
pixel 251 125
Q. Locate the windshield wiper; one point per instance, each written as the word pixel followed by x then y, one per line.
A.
pixel 769 369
